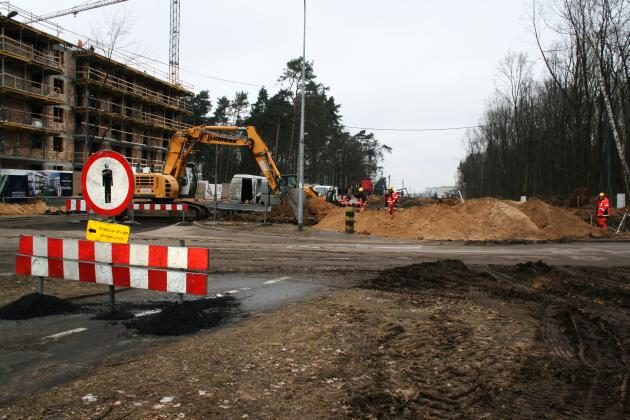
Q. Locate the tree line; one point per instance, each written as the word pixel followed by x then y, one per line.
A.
pixel 570 130
pixel 333 156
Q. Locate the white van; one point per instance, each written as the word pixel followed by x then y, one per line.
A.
pixel 252 189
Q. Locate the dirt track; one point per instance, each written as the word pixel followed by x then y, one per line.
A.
pixel 434 339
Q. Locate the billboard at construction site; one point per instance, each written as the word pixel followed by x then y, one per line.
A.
pixel 24 183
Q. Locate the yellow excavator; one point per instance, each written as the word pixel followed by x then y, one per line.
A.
pixel 178 179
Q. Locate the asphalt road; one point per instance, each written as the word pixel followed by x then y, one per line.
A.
pixel 262 267
pixel 281 249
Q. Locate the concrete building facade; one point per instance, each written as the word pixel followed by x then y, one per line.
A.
pixel 60 102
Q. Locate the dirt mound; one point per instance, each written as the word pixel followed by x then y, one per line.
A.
pixel 34 208
pixel 554 222
pixel 35 305
pixel 421 276
pixel 478 220
pixel 315 210
pixel 186 318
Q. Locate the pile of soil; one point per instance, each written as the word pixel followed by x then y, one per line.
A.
pixel 315 209
pixel 185 318
pixel 29 209
pixel 35 305
pixel 484 219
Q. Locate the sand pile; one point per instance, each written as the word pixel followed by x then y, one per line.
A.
pixel 315 210
pixel 478 220
pixel 36 207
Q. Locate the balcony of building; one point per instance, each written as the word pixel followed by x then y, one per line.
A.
pixel 36 148
pixel 92 76
pixel 86 54
pixel 26 53
pixel 43 92
pixel 118 111
pixel 15 119
pixel 119 140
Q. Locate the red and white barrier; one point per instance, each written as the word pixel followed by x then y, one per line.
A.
pixel 153 267
pixel 160 207
pixel 76 205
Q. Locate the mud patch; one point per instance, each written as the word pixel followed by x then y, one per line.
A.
pixel 422 276
pixel 115 315
pixel 35 305
pixel 186 318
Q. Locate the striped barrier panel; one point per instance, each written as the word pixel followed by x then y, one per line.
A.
pixel 77 205
pixel 163 268
pixel 160 207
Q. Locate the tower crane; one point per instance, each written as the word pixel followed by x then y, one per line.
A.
pixel 173 58
pixel 75 10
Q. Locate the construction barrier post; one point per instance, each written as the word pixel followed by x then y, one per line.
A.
pixel 40 285
pixel 112 298
pixel 180 296
pixel 350 220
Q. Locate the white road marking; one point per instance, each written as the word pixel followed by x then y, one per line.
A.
pixel 276 280
pixel 149 312
pixel 230 292
pixel 63 334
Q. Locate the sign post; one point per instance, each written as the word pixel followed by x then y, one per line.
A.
pixel 108 183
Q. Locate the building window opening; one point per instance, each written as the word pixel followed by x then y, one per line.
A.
pixel 37 141
pixel 58 144
pixel 58 115
pixel 37 111
pixel 59 56
pixel 58 84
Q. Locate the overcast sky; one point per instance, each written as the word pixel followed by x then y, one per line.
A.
pixel 390 64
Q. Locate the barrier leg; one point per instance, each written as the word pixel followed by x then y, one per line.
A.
pixel 112 298
pixel 180 296
pixel 40 285
pixel 131 216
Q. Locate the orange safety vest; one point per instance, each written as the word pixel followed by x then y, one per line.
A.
pixel 603 207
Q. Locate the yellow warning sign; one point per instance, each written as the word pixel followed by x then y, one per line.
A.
pixel 107 232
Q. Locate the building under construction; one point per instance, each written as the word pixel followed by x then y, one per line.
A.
pixel 60 102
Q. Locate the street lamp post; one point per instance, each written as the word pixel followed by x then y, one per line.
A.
pixel 300 207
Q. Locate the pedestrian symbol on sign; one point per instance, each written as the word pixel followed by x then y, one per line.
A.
pixel 108 182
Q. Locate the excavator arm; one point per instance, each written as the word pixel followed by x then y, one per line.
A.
pixel 183 142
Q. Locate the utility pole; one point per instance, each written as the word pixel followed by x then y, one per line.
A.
pixel 300 209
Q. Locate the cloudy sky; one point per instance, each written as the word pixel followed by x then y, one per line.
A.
pixel 402 64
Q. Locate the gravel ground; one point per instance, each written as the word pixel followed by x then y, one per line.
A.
pixel 428 340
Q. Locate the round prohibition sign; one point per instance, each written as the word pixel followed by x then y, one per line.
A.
pixel 107 182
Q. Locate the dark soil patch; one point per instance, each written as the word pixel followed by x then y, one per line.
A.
pixel 186 318
pixel 533 267
pixel 115 315
pixel 35 305
pixel 422 276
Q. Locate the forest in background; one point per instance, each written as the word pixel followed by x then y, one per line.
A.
pixel 332 155
pixel 569 131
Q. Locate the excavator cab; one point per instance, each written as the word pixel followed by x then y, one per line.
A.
pixel 288 182
pixel 188 182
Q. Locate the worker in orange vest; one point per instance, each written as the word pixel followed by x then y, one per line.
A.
pixel 392 199
pixel 361 196
pixel 603 211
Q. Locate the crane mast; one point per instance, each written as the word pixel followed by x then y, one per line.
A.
pixel 173 61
